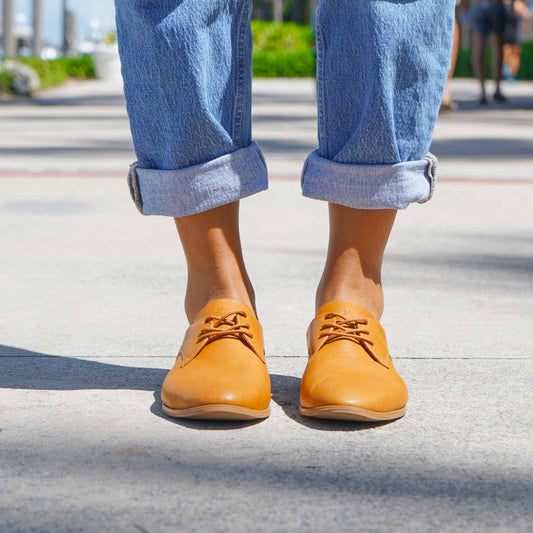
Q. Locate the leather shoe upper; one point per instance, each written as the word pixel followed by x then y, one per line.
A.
pixel 349 362
pixel 221 361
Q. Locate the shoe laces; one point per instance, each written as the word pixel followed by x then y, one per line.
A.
pixel 228 326
pixel 341 328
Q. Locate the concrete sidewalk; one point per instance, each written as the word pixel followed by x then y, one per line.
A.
pixel 91 318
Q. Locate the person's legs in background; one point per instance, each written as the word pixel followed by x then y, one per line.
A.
pixel 497 65
pixel 448 103
pixel 480 30
pixel 488 20
pixel 381 74
pixel 498 19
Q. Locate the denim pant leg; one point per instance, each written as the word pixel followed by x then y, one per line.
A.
pixel 381 73
pixel 186 66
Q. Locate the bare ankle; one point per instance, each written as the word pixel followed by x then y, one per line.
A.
pixel 200 293
pixel 215 263
pixel 353 266
pixel 366 294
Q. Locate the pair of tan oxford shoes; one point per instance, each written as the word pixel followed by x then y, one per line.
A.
pixel 221 372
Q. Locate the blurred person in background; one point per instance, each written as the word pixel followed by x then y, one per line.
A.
pixel 518 21
pixel 487 19
pixel 447 105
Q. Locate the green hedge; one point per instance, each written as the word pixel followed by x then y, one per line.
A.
pixel 79 67
pixel 464 68
pixel 282 50
pixel 279 36
pixel 54 72
pixel 278 64
pixel 51 72
pixel 5 82
pixel 287 50
pixel 526 62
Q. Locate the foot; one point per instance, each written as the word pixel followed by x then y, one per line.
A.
pixel 447 106
pixel 499 97
pixel 483 100
pixel 350 375
pixel 220 372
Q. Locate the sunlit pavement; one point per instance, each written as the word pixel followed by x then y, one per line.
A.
pixel 91 317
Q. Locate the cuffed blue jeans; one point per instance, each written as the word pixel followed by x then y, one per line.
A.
pixel 381 73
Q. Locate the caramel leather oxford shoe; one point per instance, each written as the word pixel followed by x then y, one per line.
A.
pixel 349 375
pixel 220 372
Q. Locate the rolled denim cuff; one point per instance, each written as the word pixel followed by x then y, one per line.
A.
pixel 369 186
pixel 179 193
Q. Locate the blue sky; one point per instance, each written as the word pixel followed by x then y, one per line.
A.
pixel 85 10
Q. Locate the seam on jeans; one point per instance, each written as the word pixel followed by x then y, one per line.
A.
pixel 431 174
pixel 133 184
pixel 241 64
pixel 320 51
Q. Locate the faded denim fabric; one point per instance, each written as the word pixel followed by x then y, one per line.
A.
pixel 381 72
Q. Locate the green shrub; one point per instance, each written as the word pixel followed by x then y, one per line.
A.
pixel 464 67
pixel 279 36
pixel 79 67
pixel 282 50
pixel 6 82
pixel 284 64
pixel 526 62
pixel 54 72
pixel 50 71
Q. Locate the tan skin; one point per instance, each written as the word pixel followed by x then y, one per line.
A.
pixel 215 263
pixel 447 99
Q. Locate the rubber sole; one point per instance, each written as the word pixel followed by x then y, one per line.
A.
pixel 344 412
pixel 218 412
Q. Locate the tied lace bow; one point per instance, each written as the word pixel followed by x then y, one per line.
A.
pixel 228 326
pixel 343 329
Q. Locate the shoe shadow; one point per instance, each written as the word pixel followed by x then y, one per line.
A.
pixel 286 393
pixel 25 369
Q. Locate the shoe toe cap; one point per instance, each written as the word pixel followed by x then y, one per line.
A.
pixel 371 387
pixel 199 384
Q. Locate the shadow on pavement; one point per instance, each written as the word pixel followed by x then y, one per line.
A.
pixel 28 370
pixel 100 147
pixel 24 369
pixel 96 100
pixel 83 100
pixel 483 148
pixel 472 104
